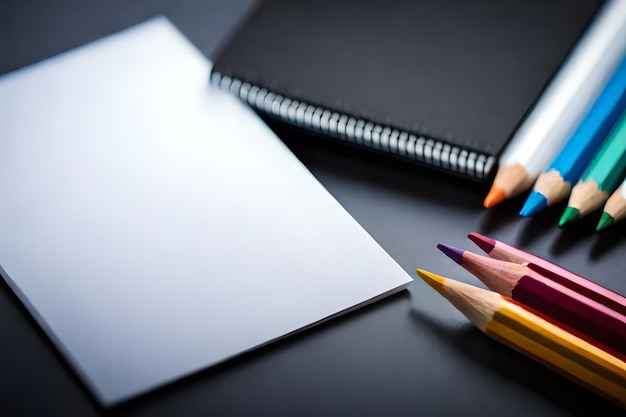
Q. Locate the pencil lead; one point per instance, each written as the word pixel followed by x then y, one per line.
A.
pixel 570 215
pixel 534 204
pixel 605 221
pixel 451 252
pixel 495 196
pixel 434 280
pixel 483 242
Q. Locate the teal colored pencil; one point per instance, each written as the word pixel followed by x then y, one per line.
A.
pixel 555 184
pixel 602 176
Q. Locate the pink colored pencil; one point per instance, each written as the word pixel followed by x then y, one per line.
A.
pixel 500 250
pixel 588 319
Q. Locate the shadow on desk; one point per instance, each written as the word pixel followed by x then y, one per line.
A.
pixel 301 141
pixel 273 360
pixel 543 226
pixel 510 365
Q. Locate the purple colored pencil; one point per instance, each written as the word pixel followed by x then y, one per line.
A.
pixel 581 315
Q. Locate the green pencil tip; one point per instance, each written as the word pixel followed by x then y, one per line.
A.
pixel 570 215
pixel 605 221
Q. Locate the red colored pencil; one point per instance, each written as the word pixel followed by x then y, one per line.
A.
pixel 500 250
pixel 588 319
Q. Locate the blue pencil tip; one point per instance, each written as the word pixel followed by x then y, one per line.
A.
pixel 534 204
pixel 453 253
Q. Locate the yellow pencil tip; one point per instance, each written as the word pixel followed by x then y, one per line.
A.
pixel 496 196
pixel 434 280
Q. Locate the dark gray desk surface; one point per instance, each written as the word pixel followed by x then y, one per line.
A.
pixel 412 354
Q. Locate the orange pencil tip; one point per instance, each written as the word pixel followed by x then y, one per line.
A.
pixel 496 196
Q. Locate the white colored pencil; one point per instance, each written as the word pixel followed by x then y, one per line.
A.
pixel 564 103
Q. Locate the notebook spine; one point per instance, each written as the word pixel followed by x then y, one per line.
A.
pixel 403 144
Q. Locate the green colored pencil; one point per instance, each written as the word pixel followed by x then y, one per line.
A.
pixel 602 176
pixel 614 209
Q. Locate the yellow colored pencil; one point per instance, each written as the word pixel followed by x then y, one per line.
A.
pixel 521 329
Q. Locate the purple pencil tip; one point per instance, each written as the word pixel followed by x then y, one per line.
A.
pixel 451 252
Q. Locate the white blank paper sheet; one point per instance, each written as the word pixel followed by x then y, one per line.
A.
pixel 155 226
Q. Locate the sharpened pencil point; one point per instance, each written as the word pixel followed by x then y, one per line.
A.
pixel 605 221
pixel 534 204
pixel 451 252
pixel 570 215
pixel 496 196
pixel 483 242
pixel 434 280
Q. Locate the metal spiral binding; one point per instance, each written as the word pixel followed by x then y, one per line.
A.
pixel 358 131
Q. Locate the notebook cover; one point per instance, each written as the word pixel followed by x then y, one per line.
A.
pixel 457 72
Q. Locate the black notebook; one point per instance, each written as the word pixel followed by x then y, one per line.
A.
pixel 443 83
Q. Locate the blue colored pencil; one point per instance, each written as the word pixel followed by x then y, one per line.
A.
pixel 555 184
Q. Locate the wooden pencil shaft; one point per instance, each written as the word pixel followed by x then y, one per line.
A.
pixel 536 337
pixel 587 196
pixel 503 251
pixel 593 321
pixel 500 276
pixel 514 179
pixel 552 186
pixel 616 204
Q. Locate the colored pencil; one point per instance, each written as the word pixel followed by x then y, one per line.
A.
pixel 500 250
pixel 556 182
pixel 602 176
pixel 615 208
pixel 535 337
pixel 563 104
pixel 588 319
